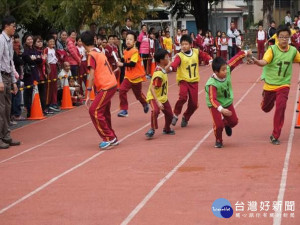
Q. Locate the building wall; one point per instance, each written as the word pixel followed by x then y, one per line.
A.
pixel 257 11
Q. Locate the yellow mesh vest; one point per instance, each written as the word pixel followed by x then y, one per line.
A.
pixel 161 92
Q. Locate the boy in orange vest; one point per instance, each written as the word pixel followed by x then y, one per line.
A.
pixel 103 79
pixel 134 76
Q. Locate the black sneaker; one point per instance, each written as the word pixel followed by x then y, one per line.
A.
pixel 184 123
pixel 170 132
pixel 274 141
pixel 150 133
pixel 174 120
pixel 54 108
pixel 228 131
pixel 146 108
pixel 218 144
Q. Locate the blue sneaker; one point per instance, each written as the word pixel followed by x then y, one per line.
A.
pixel 104 144
pixel 123 113
pixel 146 108
pixel 150 133
pixel 170 132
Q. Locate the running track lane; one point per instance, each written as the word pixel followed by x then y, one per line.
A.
pixel 138 167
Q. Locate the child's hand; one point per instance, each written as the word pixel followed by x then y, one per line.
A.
pixel 160 105
pixel 88 102
pixel 120 64
pixel 226 112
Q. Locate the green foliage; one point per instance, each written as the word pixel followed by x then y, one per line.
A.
pixel 41 15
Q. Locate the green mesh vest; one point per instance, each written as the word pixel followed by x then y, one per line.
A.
pixel 279 70
pixel 224 90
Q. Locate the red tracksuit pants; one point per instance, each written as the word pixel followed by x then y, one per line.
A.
pixel 260 49
pixel 187 92
pixel 220 123
pixel 100 114
pixel 51 97
pixel 137 90
pixel 280 97
pixel 155 112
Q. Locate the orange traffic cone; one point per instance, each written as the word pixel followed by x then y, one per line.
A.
pixel 66 98
pixel 298 122
pixel 92 94
pixel 153 66
pixel 36 112
pixel 298 108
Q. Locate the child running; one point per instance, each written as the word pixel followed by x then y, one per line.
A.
pixel 134 76
pixel 277 75
pixel 157 94
pixel 219 95
pixel 187 64
pixel 105 83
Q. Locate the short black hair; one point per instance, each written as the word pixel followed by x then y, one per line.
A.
pixel 78 37
pixel 8 20
pixel 111 35
pixel 217 63
pixel 52 31
pixel 160 54
pixel 93 24
pixel 71 31
pixel 187 38
pixel 103 38
pixel 130 32
pixel 123 30
pixel 87 38
pixel 282 28
pixel 16 36
pixel 50 37
pixel 128 19
pixel 143 25
pixel 272 21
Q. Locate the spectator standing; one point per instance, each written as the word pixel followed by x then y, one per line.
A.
pixel 232 33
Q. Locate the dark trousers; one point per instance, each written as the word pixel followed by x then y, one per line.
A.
pixel 42 92
pixel 100 114
pixel 260 49
pixel 16 103
pixel 232 51
pixel 51 98
pixel 5 107
pixel 137 90
pixel 220 123
pixel 279 97
pixel 187 92
pixel 27 95
pixel 224 54
pixel 155 112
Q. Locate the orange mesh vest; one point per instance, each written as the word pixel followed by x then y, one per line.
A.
pixel 136 71
pixel 104 76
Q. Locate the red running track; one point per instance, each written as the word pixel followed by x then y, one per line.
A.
pixel 59 176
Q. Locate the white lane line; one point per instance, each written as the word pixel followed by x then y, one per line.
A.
pixel 61 135
pixel 174 170
pixel 278 215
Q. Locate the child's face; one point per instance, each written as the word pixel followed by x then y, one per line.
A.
pixel 222 73
pixel 223 35
pixel 39 43
pixel 111 40
pixel 67 67
pixel 124 34
pixel 283 39
pixel 164 62
pixel 185 46
pixel 260 28
pixel 178 32
pixel 71 82
pixel 167 35
pixel 99 41
pixel 130 41
pixel 51 43
pixel 116 41
pixel 152 36
pixel 104 43
pixel 79 43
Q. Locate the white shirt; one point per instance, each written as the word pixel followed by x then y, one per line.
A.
pixel 224 47
pixel 82 53
pixel 231 35
pixel 51 57
pixel 261 36
pixel 288 19
pixel 178 40
pixel 63 80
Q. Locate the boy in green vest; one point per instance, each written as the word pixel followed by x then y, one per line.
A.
pixel 277 74
pixel 157 94
pixel 219 95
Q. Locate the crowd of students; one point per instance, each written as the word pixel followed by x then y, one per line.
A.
pixel 115 63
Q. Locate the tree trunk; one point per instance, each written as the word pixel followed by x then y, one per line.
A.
pixel 200 12
pixel 268 6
